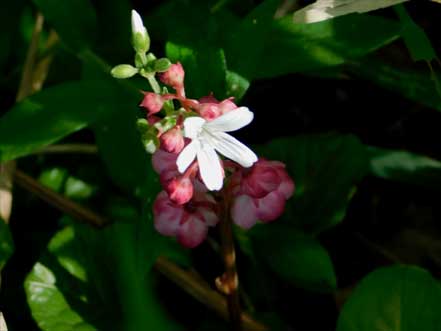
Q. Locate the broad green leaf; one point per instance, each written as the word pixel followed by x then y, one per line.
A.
pixel 405 167
pixel 414 85
pixel 415 38
pixel 49 307
pixel 325 169
pixel 74 21
pixel 54 113
pixel 237 85
pixel 104 276
pixel 6 243
pixel 296 257
pixel 248 43
pixel 292 47
pixel 398 298
pixel 205 65
pixel 120 147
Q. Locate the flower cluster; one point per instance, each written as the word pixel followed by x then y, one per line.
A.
pixel 202 167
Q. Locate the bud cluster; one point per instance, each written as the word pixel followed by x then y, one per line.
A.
pixel 184 135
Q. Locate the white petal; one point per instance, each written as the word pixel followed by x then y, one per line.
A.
pixel 210 168
pixel 187 156
pixel 232 148
pixel 137 25
pixel 192 126
pixel 231 121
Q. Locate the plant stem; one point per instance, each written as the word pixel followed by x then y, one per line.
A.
pixel 231 281
pixel 58 201
pixel 153 83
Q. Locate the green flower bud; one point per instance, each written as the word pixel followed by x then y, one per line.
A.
pixel 140 60
pixel 123 71
pixel 143 125
pixel 140 37
pixel 161 65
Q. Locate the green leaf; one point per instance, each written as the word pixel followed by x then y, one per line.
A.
pixel 205 65
pixel 248 44
pixel 405 167
pixel 6 243
pixel 325 169
pixel 296 257
pixel 49 307
pixel 74 21
pixel 99 276
pixel 237 85
pixel 120 146
pixel 78 189
pixel 291 47
pixel 414 85
pixel 54 113
pixel 415 38
pixel 398 298
pixel 54 178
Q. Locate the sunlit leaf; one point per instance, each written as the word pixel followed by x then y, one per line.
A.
pixel 326 9
pixel 54 113
pixel 405 167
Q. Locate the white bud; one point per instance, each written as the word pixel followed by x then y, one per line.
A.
pixel 137 25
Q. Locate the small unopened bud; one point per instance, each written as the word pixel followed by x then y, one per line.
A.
pixel 172 141
pixel 227 105
pixel 140 37
pixel 180 190
pixel 209 111
pixel 174 76
pixel 161 65
pixel 123 71
pixel 152 102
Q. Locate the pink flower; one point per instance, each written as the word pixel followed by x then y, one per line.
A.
pixel 260 193
pixel 172 141
pixel 188 223
pixel 174 77
pixel 179 189
pixel 152 102
pixel 210 108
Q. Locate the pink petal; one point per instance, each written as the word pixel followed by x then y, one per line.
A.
pixel 244 212
pixel 271 206
pixel 192 232
pixel 167 215
pixel 208 215
pixel 163 161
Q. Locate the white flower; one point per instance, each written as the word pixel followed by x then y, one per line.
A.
pixel 209 137
pixel 137 25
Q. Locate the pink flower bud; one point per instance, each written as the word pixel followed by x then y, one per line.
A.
pixel 180 190
pixel 152 102
pixel 172 141
pixel 167 215
pixel 208 99
pixel 260 180
pixel 261 193
pixel 209 111
pixel 188 223
pixel 164 161
pixel 174 77
pixel 227 105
